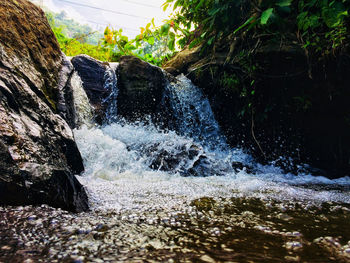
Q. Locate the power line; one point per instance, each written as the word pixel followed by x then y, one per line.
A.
pixel 106 10
pixel 137 3
pixel 105 24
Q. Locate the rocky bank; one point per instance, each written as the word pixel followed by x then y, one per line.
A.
pixel 39 157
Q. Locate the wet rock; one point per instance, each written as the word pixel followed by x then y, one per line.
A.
pixel 65 105
pixel 187 160
pixel 92 73
pixel 165 160
pixel 141 88
pixel 238 166
pixel 39 156
pixel 182 61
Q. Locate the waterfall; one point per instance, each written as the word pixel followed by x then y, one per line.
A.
pixel 192 112
pixel 111 84
pixel 140 166
pixel 83 109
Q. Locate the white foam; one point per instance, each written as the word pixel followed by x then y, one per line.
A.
pixel 117 175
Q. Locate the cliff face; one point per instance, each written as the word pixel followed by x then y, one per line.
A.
pixel 273 101
pixel 39 154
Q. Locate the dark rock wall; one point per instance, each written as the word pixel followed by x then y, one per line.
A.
pixel 39 156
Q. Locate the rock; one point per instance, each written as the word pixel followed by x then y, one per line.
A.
pixel 65 105
pixel 141 88
pixel 177 159
pixel 29 48
pixel 182 61
pixel 92 74
pixel 238 166
pixel 38 154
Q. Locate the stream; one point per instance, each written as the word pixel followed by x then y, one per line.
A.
pixel 180 195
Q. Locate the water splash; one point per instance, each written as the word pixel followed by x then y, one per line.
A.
pixel 193 115
pixel 118 175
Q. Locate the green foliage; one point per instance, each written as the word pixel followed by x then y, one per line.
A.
pixel 265 16
pixel 72 29
pixel 212 19
pixel 322 23
pixel 153 46
pixel 230 81
pixel 73 47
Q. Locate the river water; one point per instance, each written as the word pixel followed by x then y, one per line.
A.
pixel 180 195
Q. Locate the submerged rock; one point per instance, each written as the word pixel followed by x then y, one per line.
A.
pixel 39 156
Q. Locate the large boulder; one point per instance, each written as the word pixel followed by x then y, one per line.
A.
pixel 93 75
pixel 38 154
pixel 141 87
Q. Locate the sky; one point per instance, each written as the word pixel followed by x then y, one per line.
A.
pixel 135 13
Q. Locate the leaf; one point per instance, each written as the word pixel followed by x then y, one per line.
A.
pixel 130 47
pixel 214 11
pixel 265 16
pixel 333 16
pixel 245 23
pixel 165 7
pixel 151 41
pixel 164 30
pixel 194 43
pixel 177 3
pixel 301 19
pixel 172 35
pixel 284 3
pixel 200 4
pixel 171 44
pixel 210 41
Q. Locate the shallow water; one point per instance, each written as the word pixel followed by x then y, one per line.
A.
pixel 166 196
pixel 208 230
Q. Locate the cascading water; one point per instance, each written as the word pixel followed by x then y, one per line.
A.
pixel 193 114
pixel 137 165
pixel 111 84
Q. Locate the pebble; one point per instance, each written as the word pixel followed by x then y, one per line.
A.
pixel 207 258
